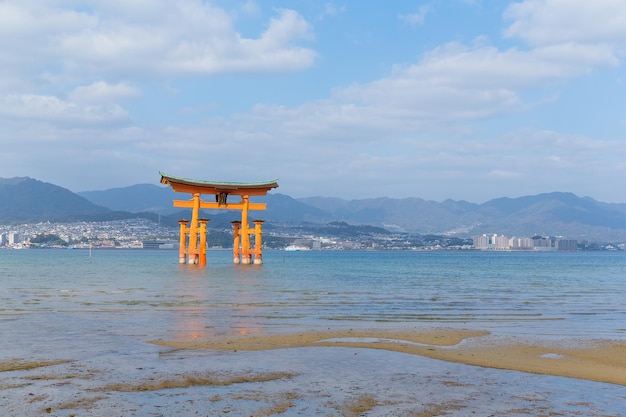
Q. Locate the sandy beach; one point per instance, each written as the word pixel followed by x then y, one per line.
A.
pixel 602 361
pixel 407 372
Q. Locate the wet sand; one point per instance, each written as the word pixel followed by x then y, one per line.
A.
pixel 417 372
pixel 601 361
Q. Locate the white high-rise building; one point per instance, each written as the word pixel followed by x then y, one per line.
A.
pixel 481 242
pixel 13 238
pixel 500 242
pixel 491 242
pixel 521 243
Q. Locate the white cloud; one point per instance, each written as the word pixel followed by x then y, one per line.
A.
pixel 103 92
pixel 451 82
pixel 455 82
pixel 546 22
pixel 194 38
pixel 331 10
pixel 251 7
pixel 33 20
pixel 416 18
pixel 70 47
pixel 485 66
pixel 54 109
pixel 146 38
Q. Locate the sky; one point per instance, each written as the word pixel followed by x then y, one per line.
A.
pixel 443 99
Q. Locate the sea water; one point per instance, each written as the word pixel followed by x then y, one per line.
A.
pixel 82 305
pixel 574 294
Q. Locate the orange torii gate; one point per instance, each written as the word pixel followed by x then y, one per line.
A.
pixel 193 234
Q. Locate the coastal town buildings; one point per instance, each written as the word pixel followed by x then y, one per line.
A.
pixel 119 234
pixel 536 243
pixel 146 234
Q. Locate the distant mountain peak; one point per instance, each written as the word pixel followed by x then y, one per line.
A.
pixel 15 180
pixel 26 199
pixel 555 213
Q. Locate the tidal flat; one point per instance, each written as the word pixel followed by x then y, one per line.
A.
pixel 132 333
pixel 414 372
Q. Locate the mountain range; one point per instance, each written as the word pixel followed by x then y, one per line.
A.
pixel 24 199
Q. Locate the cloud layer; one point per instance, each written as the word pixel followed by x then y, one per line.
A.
pixel 461 120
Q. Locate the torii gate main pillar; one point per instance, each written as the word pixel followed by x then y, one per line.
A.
pixel 193 234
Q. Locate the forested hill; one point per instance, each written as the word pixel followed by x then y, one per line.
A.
pixel 556 214
pixel 25 199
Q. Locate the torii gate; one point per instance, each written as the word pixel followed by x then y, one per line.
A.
pixel 193 234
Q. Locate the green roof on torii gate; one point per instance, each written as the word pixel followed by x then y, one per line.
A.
pixel 187 185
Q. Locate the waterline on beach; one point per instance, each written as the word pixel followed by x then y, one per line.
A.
pixel 600 360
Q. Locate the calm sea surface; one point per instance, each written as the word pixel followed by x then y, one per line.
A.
pixel 580 294
pixel 96 314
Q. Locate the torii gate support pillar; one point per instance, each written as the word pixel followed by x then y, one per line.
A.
pixel 236 242
pixel 258 243
pixel 192 242
pixel 242 254
pixel 202 248
pixel 182 251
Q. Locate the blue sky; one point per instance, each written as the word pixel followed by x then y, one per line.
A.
pixel 460 99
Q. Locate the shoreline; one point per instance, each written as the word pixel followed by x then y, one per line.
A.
pixel 597 360
pixel 333 372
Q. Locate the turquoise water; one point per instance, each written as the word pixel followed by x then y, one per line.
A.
pixel 100 311
pixel 579 294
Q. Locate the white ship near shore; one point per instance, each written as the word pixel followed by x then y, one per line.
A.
pixel 294 248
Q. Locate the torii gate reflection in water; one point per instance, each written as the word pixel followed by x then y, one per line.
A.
pixel 193 233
